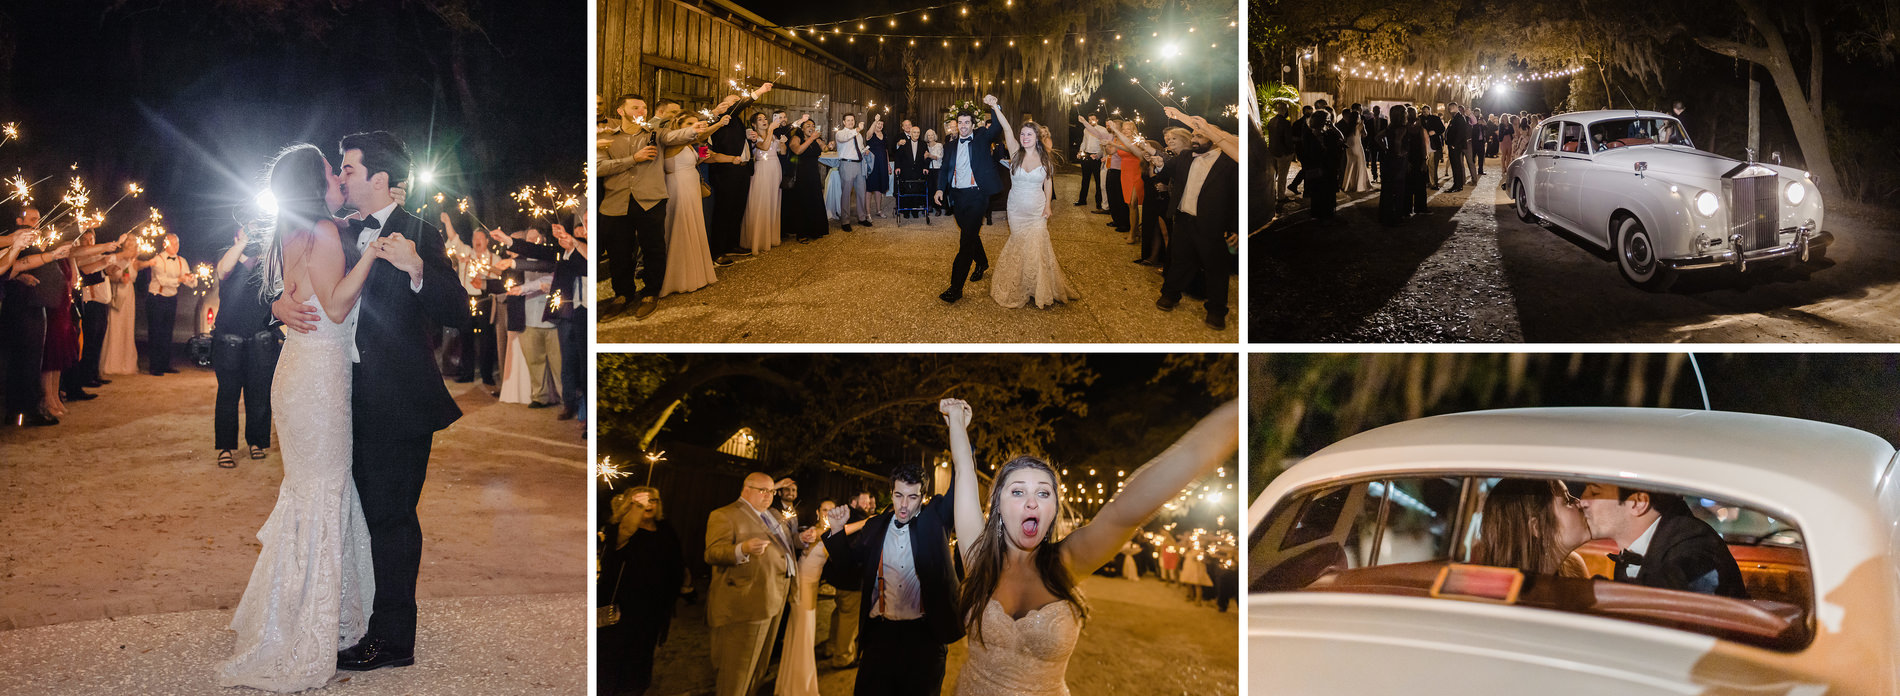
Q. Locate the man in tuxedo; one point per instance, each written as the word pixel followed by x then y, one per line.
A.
pixel 398 399
pixel 1089 155
pixel 169 270
pixel 567 311
pixel 910 157
pixel 1662 543
pixel 970 177
pixel 1457 138
pixel 754 559
pixel 1207 185
pixel 1375 127
pixel 729 166
pixel 909 608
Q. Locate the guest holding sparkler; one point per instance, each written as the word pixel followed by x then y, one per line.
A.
pixel 761 229
pixel 729 172
pixel 807 200
pixel 23 318
pixel 169 270
pixel 632 206
pixel 690 263
pixel 642 566
pixel 95 310
pixel 560 300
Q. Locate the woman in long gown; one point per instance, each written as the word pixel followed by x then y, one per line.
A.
pixel 311 590
pixel 760 231
pixel 1357 178
pixel 689 263
pixel 808 189
pixel 798 661
pixel 1131 179
pixel 1021 608
pixel 120 354
pixel 1026 270
pixel 877 177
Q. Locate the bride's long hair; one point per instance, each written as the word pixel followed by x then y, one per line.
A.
pixel 984 568
pixel 298 180
pixel 1042 153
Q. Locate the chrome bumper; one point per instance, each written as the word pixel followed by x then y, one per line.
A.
pixel 1805 238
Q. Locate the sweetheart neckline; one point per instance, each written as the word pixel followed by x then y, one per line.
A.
pixel 1014 620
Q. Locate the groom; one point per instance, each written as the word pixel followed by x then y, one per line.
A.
pixel 971 177
pixel 909 609
pixel 398 399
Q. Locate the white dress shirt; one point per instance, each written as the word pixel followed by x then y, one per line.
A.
pixel 900 595
pixel 963 177
pixel 1641 546
pixel 1197 175
pixel 1091 145
pixel 848 145
pixel 167 272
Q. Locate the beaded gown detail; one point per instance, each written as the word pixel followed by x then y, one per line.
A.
pixel 1022 657
pixel 1026 270
pixel 310 593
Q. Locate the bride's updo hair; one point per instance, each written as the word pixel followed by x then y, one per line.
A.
pixel 299 177
pixel 984 568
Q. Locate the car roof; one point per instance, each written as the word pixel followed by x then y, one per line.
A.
pixel 1791 467
pixel 1601 114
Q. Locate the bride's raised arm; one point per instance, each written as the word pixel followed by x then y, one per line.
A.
pixel 1002 122
pixel 969 508
pixel 323 258
pixel 1203 448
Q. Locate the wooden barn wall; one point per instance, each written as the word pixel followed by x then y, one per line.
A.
pixel 674 49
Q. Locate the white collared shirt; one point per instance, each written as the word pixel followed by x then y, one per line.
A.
pixel 167 272
pixel 1641 546
pixel 1197 175
pixel 900 594
pixel 848 147
pixel 1091 145
pixel 963 177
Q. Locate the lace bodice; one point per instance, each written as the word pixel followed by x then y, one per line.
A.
pixel 1028 656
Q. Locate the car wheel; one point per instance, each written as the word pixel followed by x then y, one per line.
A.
pixel 1636 257
pixel 1521 200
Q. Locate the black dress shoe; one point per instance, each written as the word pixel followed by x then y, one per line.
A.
pixel 864 223
pixel 373 653
pixel 1166 305
pixel 170 371
pixel 977 274
pixel 847 227
pixel 566 414
pixel 1081 203
pixel 722 261
pixel 1216 323
pixel 158 373
pixel 951 296
pixel 464 380
pixel 537 404
pixel 97 383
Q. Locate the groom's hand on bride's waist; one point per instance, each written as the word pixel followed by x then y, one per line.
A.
pixel 294 314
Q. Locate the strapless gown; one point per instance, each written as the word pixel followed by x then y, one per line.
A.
pixel 1021 657
pixel 1026 270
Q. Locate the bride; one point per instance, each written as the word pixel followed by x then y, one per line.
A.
pixel 1020 602
pixel 310 592
pixel 1026 271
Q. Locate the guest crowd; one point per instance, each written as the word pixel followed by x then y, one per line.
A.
pixel 759 176
pixel 71 306
pixel 1403 153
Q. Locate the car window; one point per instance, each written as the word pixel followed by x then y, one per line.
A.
pixel 1610 134
pixel 1547 137
pixel 1573 138
pixel 1395 535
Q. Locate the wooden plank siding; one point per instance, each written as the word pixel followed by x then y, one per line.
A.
pixel 686 50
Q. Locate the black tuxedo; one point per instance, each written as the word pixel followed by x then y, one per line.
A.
pixel 905 657
pixel 1686 554
pixel 399 403
pixel 970 204
pixel 910 160
pixel 1200 241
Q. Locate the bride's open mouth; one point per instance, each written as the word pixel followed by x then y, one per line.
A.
pixel 1031 526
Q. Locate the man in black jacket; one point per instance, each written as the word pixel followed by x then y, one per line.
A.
pixel 1662 543
pixel 1206 186
pixel 969 177
pixel 842 647
pixel 398 399
pixel 1457 138
pixel 909 607
pixel 910 156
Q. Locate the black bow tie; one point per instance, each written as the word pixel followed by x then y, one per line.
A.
pixel 964 140
pixel 900 523
pixel 357 226
pixel 1627 558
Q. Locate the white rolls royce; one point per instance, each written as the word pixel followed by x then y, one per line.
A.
pixel 1364 575
pixel 1632 182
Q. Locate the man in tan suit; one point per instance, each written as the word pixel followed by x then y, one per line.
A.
pixel 754 558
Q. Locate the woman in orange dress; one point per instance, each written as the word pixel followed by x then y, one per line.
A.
pixel 1131 179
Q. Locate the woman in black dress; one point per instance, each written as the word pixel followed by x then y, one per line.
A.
pixel 1394 167
pixel 877 177
pixel 642 567
pixel 808 193
pixel 1154 223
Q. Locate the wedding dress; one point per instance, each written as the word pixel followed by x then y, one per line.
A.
pixel 1026 271
pixel 1358 178
pixel 1027 656
pixel 798 663
pixel 310 592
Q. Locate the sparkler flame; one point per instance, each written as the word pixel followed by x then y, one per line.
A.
pixel 21 191
pixel 607 471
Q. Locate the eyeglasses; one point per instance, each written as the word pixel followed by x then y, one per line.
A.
pixel 759 488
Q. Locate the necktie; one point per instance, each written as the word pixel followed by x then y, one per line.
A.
pixel 357 226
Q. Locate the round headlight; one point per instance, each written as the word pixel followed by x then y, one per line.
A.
pixel 1706 203
pixel 1796 193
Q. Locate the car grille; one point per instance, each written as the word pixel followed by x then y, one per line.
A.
pixel 1755 209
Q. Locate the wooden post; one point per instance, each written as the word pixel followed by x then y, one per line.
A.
pixel 1754 110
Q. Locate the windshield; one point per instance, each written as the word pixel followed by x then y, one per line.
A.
pixel 1399 534
pixel 1628 132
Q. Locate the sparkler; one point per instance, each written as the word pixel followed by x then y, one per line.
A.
pixel 607 471
pixel 21 190
pixel 12 130
pixel 132 189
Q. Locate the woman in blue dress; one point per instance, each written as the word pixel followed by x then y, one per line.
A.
pixel 877 179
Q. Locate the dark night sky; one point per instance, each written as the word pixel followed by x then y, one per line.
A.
pixel 192 103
